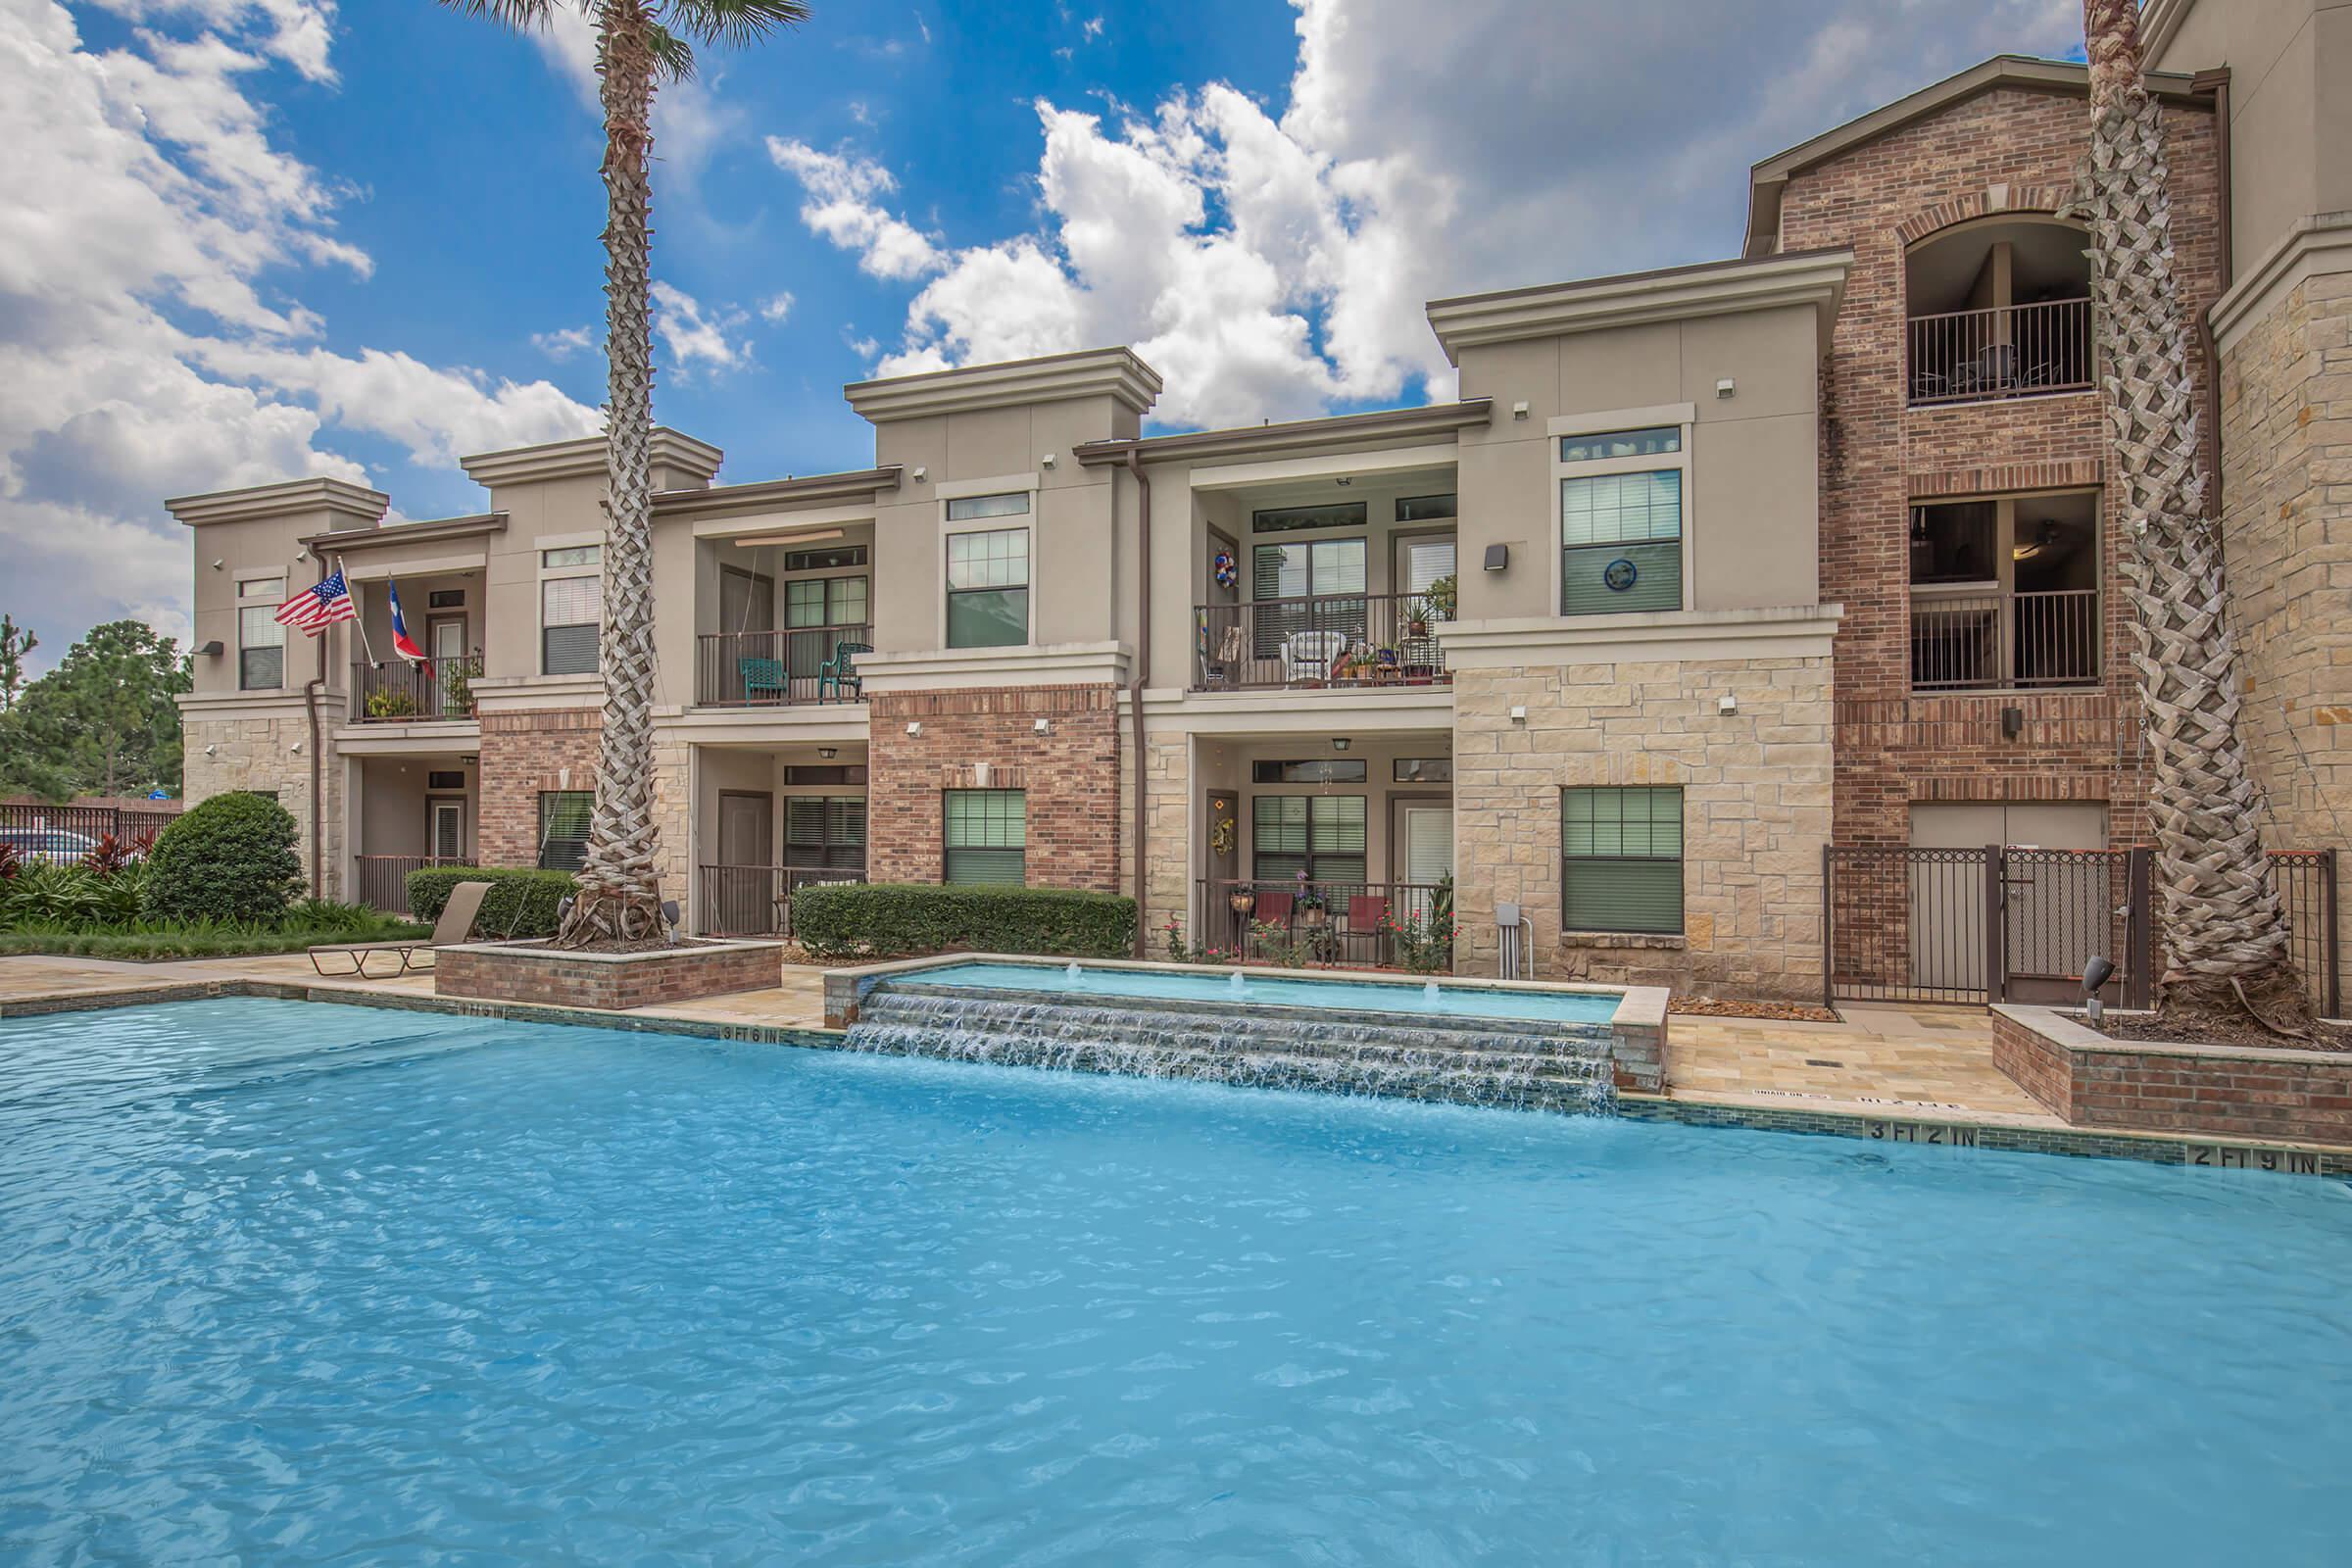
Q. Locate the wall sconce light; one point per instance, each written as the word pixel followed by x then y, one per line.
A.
pixel 828 752
pixel 1519 410
pixel 210 750
pixel 1726 387
pixel 1045 462
pixel 214 649
pixel 1340 743
pixel 922 474
pixel 1044 726
pixel 1519 713
pixel 1345 480
pixel 1726 706
pixel 296 747
pixel 1498 557
pixel 2013 722
pixel 915 726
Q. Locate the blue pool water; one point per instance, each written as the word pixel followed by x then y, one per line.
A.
pixel 291 1283
pixel 1450 1001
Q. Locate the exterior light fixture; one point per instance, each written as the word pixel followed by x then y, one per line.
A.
pixel 915 726
pixel 1728 706
pixel 1726 387
pixel 210 750
pixel 1045 462
pixel 922 474
pixel 214 649
pixel 828 752
pixel 1519 410
pixel 1498 557
pixel 1519 713
pixel 1340 743
pixel 1044 726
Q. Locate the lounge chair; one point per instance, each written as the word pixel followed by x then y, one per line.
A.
pixel 455 924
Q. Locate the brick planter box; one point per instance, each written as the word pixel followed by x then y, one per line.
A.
pixel 504 971
pixel 2302 1097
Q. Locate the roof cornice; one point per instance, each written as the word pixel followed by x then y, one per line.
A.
pixel 404 533
pixel 1255 440
pixel 585 457
pixel 765 495
pixel 1679 293
pixel 1115 372
pixel 338 498
pixel 1767 178
pixel 2159 21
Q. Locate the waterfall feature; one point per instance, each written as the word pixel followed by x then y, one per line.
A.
pixel 1467 1061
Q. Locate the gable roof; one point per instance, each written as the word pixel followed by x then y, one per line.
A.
pixel 1769 180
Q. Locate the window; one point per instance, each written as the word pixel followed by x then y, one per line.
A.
pixel 261 640
pixel 986 836
pixel 825 774
pixel 1423 771
pixel 825 832
pixel 1320 770
pixel 967 508
pixel 445 599
pixel 1292 571
pixel 1655 441
pixel 1285 519
pixel 1621 860
pixel 825 602
pixel 445 778
pixel 830 558
pixel 570 608
pixel 987 586
pixel 1425 509
pixel 564 829
pixel 1621 542
pixel 1322 835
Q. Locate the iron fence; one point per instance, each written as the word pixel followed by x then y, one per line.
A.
pixel 384 879
pixel 777 668
pixel 1319 640
pixel 756 901
pixel 2030 640
pixel 1334 922
pixel 30 827
pixel 401 691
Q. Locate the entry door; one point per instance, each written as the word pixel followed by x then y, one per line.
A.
pixel 744 899
pixel 2054 907
pixel 445 824
pixel 1425 851
pixel 445 642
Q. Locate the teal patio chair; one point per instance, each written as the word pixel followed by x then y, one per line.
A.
pixel 839 674
pixel 764 680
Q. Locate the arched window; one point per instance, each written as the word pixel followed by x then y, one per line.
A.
pixel 1998 307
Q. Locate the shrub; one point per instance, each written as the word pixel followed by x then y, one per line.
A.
pixel 230 857
pixel 521 902
pixel 41 894
pixel 897 919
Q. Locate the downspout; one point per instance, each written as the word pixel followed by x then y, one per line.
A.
pixel 1135 686
pixel 2217 83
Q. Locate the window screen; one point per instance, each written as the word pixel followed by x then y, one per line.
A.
pixel 986 836
pixel 1322 835
pixel 1621 860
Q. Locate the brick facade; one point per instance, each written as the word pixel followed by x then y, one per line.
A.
pixel 987 738
pixel 612 982
pixel 522 754
pixel 2237 1092
pixel 2008 151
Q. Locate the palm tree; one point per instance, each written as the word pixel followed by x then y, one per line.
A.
pixel 637 42
pixel 2225 932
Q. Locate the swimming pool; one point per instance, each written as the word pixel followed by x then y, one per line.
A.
pixel 1255 988
pixel 295 1282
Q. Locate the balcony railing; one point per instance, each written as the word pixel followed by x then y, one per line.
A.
pixel 385 878
pixel 398 692
pixel 2005 352
pixel 1320 639
pixel 774 669
pixel 1351 925
pixel 1991 641
pixel 756 901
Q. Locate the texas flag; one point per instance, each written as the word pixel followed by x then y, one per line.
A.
pixel 402 643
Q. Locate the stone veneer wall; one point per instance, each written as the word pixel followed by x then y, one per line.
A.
pixel 257 754
pixel 2008 151
pixel 1167 879
pixel 1755 813
pixel 986 738
pixel 2287 500
pixel 522 754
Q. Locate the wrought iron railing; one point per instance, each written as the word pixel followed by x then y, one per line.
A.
pixel 1319 640
pixel 2004 352
pixel 756 901
pixel 400 691
pixel 1975 641
pixel 1332 922
pixel 774 668
pixel 384 879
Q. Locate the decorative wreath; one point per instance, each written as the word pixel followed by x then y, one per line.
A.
pixel 1227 569
pixel 1619 574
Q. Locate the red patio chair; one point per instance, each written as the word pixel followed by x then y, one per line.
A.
pixel 1275 907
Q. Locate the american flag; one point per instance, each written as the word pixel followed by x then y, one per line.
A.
pixel 313 610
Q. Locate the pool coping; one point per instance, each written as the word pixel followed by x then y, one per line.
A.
pixel 1957 1132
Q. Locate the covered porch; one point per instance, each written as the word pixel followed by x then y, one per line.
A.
pixel 769 818
pixel 409 811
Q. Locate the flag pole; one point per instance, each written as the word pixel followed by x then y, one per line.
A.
pixel 357 619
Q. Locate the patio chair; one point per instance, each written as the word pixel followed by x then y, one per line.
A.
pixel 1274 907
pixel 764 680
pixel 1308 654
pixel 839 674
pixel 456 926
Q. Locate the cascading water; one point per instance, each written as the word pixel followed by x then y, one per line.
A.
pixel 1471 1063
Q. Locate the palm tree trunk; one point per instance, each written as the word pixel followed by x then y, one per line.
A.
pixel 2224 934
pixel 620 895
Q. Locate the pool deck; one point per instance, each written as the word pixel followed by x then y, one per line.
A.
pixel 1882 1072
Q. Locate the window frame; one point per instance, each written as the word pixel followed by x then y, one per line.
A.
pixel 948 850
pixel 273 593
pixel 1317 877
pixel 1026 527
pixel 1679 859
pixel 568 572
pixel 546 838
pixel 1685 417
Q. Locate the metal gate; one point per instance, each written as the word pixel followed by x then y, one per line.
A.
pixel 2006 924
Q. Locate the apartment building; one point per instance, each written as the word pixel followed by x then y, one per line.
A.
pixel 1700 570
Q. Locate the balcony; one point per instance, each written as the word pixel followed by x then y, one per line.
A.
pixel 1997 641
pixel 779 668
pixel 401 692
pixel 2008 351
pixel 1338 922
pixel 1320 639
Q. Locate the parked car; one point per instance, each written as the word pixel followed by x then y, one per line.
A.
pixel 55 844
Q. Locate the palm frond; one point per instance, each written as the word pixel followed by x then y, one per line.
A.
pixel 522 16
pixel 673 56
pixel 733 23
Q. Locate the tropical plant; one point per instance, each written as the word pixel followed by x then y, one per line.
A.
pixel 637 44
pixel 1440 595
pixel 2223 927
pixel 386 703
pixel 42 894
pixel 230 857
pixel 108 856
pixel 1423 939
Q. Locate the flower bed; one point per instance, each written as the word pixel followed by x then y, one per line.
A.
pixel 2093 1080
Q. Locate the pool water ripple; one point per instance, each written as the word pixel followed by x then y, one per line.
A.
pixel 297 1283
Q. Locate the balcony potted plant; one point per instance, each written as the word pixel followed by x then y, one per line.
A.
pixel 1241 900
pixel 1312 910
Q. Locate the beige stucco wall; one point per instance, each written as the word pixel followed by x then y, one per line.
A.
pixel 1751 511
pixel 260 547
pixel 1755 811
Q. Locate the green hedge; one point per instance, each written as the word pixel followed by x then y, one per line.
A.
pixel 896 920
pixel 230 857
pixel 521 902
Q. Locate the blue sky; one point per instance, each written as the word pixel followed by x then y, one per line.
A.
pixel 255 240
